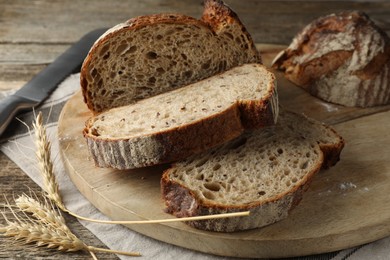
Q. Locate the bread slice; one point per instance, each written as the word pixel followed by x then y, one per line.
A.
pixel 265 172
pixel 152 54
pixel 341 58
pixel 179 123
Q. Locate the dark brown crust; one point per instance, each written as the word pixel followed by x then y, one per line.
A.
pixel 332 153
pixel 306 73
pixel 216 14
pixel 259 113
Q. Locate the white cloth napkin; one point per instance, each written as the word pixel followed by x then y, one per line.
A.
pixel 20 148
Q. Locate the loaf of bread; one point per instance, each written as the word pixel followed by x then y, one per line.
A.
pixel 264 172
pixel 153 54
pixel 341 58
pixel 182 122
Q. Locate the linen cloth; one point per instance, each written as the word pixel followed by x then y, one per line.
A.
pixel 18 145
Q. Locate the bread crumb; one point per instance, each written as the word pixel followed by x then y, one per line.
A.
pixel 347 186
pixel 325 193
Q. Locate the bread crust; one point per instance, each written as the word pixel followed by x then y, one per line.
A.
pixel 216 16
pixel 183 202
pixel 180 142
pixel 329 58
pixel 165 146
pixel 133 24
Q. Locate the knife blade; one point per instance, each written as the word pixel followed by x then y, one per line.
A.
pixel 40 87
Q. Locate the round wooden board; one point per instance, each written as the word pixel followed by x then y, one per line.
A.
pixel 345 206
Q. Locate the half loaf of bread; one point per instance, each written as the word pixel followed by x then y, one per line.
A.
pixel 341 58
pixel 182 122
pixel 264 172
pixel 148 55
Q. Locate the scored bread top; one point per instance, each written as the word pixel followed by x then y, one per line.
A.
pixel 341 58
pixel 265 171
pixel 152 54
pixel 185 121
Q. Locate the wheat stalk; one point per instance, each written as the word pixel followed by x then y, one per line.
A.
pixel 41 224
pixel 45 163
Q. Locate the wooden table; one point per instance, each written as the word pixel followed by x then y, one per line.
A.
pixel 34 33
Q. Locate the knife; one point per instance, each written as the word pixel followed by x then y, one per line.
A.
pixel 41 86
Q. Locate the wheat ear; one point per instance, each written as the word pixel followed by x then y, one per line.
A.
pixel 40 223
pixel 42 211
pixel 45 163
pixel 30 230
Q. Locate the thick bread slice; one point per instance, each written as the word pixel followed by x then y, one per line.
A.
pixel 341 58
pixel 173 125
pixel 152 54
pixel 265 172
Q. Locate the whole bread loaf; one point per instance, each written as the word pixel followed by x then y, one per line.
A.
pixel 341 58
pixel 182 122
pixel 152 54
pixel 265 172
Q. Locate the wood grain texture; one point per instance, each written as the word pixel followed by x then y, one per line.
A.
pixel 34 33
pixel 57 24
pixel 330 217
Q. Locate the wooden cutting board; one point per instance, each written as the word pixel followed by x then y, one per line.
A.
pixel 345 206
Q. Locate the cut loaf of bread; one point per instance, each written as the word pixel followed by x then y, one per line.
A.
pixel 182 122
pixel 152 54
pixel 264 172
pixel 341 58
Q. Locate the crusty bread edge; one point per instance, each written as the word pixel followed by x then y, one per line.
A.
pixel 166 146
pixel 261 213
pixel 134 24
pixel 364 80
pixel 216 14
pixel 210 19
pixel 180 142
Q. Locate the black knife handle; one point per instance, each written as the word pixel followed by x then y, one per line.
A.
pixel 10 106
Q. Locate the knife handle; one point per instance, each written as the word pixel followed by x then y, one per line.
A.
pixel 10 106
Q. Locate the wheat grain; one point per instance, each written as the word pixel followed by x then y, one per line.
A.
pixel 45 163
pixel 42 211
pixel 30 230
pixel 41 224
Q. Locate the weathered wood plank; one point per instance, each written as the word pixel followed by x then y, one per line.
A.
pixel 66 21
pixel 21 61
pixel 33 35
